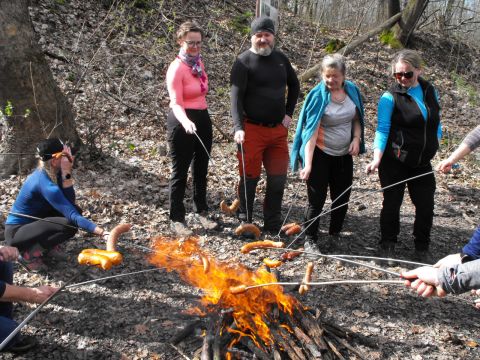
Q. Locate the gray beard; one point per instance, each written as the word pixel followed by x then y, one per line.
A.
pixel 266 51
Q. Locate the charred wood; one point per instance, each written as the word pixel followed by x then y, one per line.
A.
pixel 185 332
pixel 258 352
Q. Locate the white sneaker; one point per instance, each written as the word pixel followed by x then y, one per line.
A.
pixel 311 249
pixel 180 229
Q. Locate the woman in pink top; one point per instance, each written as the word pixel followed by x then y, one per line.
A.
pixel 187 85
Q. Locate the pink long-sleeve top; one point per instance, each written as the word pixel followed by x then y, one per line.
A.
pixel 184 88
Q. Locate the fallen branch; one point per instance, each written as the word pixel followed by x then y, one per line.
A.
pixel 309 73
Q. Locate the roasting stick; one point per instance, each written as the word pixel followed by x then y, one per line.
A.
pixel 335 257
pixel 326 209
pixel 242 288
pixel 380 258
pixel 244 180
pixel 110 277
pixel 356 199
pixel 288 212
pixel 205 148
pixel 344 257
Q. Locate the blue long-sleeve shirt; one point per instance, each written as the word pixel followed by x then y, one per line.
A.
pixel 39 195
pixel 386 105
pixel 472 249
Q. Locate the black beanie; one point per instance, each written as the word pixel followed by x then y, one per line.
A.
pixel 263 23
pixel 48 147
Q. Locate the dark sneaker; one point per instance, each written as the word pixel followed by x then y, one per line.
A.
pixel 23 344
pixel 386 251
pixel 423 256
pixel 180 229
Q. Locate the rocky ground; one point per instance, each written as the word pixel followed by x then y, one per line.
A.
pixel 111 61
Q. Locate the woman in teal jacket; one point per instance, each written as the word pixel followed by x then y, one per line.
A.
pixel 329 132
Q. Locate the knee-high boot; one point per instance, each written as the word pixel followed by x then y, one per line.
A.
pixel 272 206
pixel 251 185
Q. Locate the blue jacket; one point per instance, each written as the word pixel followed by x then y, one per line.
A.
pixel 39 195
pixel 311 114
pixel 473 247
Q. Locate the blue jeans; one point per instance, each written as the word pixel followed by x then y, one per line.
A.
pixel 7 324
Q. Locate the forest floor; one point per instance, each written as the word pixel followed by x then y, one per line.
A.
pixel 111 62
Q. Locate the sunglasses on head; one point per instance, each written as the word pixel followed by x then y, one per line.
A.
pixel 406 75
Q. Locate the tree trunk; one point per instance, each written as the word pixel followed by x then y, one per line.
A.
pixel 393 7
pixel 311 72
pixel 410 16
pixel 40 110
pixel 381 10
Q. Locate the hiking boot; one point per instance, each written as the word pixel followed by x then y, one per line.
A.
pixel 206 221
pixel 23 344
pixel 386 251
pixel 57 254
pixel 423 256
pixel 311 247
pixel 32 258
pixel 180 229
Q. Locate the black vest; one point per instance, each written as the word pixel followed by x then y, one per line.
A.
pixel 412 140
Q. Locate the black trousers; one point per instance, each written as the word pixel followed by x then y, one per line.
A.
pixel 186 150
pixel 46 234
pixel 421 191
pixel 336 173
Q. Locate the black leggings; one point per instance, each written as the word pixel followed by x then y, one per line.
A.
pixel 336 173
pixel 186 150
pixel 45 234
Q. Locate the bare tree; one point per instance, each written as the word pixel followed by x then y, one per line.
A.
pixel 33 107
pixel 410 16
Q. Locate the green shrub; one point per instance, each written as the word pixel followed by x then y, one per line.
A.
pixel 387 37
pixel 334 45
pixel 465 88
pixel 241 23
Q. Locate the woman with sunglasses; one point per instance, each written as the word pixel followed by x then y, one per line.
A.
pixel 44 214
pixel 189 128
pixel 406 140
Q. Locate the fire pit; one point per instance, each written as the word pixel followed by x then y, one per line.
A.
pixel 264 322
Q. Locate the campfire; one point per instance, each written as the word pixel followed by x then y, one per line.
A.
pixel 265 321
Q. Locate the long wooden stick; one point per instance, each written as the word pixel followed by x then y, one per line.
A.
pixel 242 288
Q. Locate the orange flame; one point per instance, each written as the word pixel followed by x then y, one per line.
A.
pixel 250 309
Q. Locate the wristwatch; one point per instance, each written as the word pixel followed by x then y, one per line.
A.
pixel 67 176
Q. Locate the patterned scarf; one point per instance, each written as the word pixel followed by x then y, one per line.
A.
pixel 194 63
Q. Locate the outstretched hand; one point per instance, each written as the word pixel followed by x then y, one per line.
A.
pixel 42 293
pixel 425 281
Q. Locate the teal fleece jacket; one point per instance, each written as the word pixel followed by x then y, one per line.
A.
pixel 311 114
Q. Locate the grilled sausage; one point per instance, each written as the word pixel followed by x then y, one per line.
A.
pixel 261 244
pixel 248 228
pixel 230 210
pixel 94 259
pixel 115 235
pixel 114 256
